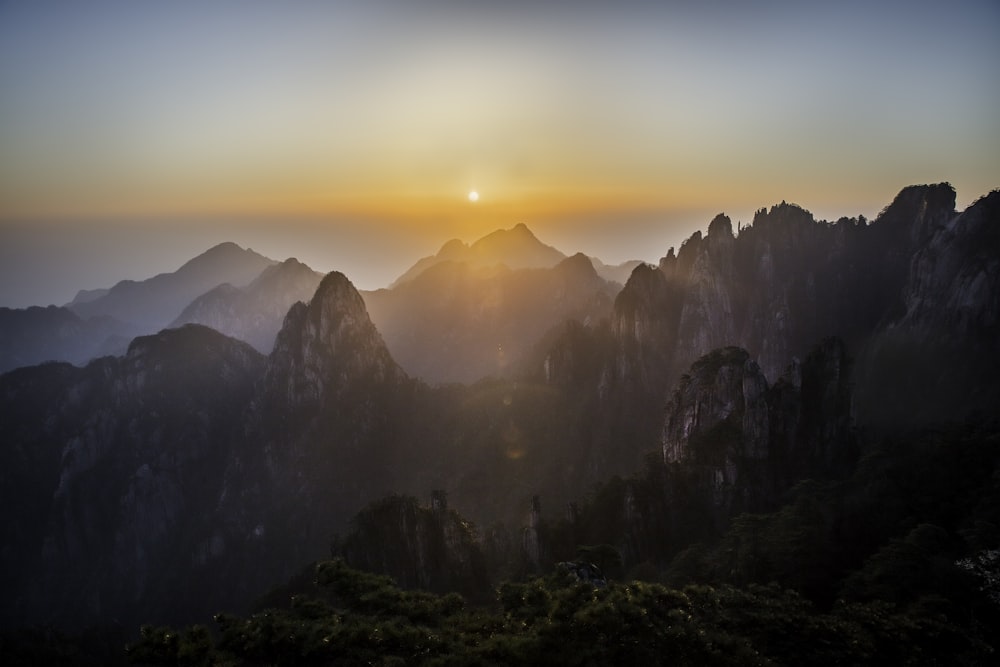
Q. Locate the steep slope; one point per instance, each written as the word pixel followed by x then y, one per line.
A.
pixel 128 463
pixel 324 422
pixel 751 441
pixel 254 313
pixel 911 294
pixel 939 358
pixel 192 473
pixel 459 323
pixel 151 304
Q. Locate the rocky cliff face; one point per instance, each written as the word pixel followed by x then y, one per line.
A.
pixel 323 425
pixel 431 548
pixel 938 358
pixel 128 462
pixel 752 440
pixel 192 473
pixel 919 276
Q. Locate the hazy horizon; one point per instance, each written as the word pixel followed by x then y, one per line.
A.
pixel 99 254
pixel 349 135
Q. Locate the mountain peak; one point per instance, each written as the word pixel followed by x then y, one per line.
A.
pixel 328 345
pixel 225 252
pixel 515 248
pixel 155 302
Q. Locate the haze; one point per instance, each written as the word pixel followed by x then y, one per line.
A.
pixel 135 135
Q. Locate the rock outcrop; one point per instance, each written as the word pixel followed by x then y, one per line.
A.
pixel 431 548
pixel 751 440
pixel 132 455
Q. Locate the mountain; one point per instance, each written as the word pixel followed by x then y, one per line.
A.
pixel 34 335
pixel 515 248
pixel 254 313
pixel 459 322
pixel 103 321
pixel 109 504
pixel 192 473
pixel 786 281
pixel 153 303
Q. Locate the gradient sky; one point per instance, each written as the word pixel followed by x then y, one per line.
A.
pixel 134 135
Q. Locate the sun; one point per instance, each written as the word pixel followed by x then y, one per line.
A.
pixel 473 196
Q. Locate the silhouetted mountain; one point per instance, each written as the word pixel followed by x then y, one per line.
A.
pixel 787 281
pixel 514 248
pixel 254 313
pixel 87 295
pixel 102 322
pixel 110 504
pixel 153 303
pixel 457 322
pixel 34 335
pixel 190 474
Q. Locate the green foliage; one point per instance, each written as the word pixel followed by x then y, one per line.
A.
pixel 558 621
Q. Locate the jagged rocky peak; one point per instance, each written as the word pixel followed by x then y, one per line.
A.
pixel 752 440
pixel 718 413
pixel 721 227
pixel 328 345
pixel 917 211
pixel 640 303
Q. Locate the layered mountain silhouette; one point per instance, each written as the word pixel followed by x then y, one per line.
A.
pixel 154 303
pixel 459 322
pixel 515 248
pixel 254 313
pixel 103 321
pixel 30 336
pixel 193 472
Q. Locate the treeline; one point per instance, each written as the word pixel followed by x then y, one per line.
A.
pixel 356 618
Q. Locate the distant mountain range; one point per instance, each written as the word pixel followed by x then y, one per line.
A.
pixel 460 322
pixel 103 321
pixel 245 295
pixel 254 313
pixel 751 366
pixel 153 303
pixel 514 248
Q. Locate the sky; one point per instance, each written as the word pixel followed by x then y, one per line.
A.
pixel 135 135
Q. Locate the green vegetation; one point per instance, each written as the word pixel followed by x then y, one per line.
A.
pixel 364 619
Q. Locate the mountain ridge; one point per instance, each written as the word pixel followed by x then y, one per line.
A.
pixel 192 472
pixel 154 302
pixel 515 248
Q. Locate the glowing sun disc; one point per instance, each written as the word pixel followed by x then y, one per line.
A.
pixel 473 196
